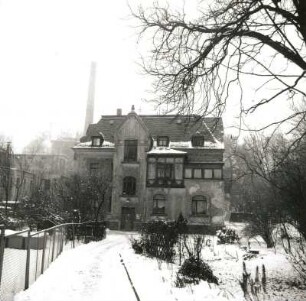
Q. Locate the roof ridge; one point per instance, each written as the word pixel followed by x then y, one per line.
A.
pixel 213 136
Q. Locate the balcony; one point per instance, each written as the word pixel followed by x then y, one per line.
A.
pixel 165 182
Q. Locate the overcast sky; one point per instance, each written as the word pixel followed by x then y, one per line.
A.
pixel 46 50
pixel 45 54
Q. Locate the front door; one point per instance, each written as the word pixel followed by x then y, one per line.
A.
pixel 127 218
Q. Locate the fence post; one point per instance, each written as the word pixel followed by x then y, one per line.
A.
pixel 44 252
pixel 63 231
pixel 2 246
pixel 73 236
pixel 27 272
pixel 53 247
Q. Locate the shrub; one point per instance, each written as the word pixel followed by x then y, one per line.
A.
pixel 137 246
pixel 159 238
pixel 193 270
pixel 226 235
pixel 181 224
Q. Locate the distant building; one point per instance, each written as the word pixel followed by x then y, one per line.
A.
pixel 21 173
pixel 161 166
pixel 45 167
pixel 15 183
pixel 63 146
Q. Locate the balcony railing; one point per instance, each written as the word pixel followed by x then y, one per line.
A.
pixel 165 182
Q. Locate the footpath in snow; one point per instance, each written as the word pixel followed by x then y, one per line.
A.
pixel 94 272
pixel 89 272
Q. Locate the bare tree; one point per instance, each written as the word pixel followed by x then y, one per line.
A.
pixel 196 61
pixel 89 194
pixel 28 163
pixel 6 158
pixel 37 145
pixel 271 176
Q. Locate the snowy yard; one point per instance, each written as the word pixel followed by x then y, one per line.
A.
pixel 94 272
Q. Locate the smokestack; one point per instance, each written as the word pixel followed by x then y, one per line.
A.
pixel 119 112
pixel 91 97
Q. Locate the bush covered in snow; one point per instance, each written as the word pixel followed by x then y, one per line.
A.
pixel 227 235
pixel 158 239
pixel 193 270
pixel 137 246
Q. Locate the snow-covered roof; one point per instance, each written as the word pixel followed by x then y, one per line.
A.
pixel 88 144
pixel 188 144
pixel 165 151
pixel 177 128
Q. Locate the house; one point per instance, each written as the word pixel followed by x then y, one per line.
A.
pixel 15 183
pixel 161 166
pixel 20 173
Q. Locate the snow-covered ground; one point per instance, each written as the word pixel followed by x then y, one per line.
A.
pixel 94 272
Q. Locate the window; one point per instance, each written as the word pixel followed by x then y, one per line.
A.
pixel 159 204
pixel 208 173
pixel 47 184
pixel 62 164
pixel 197 173
pixel 162 141
pixel 130 150
pixel 217 173
pixel 93 168
pixel 203 173
pixel 188 173
pixel 165 171
pixel 129 186
pixel 199 205
pixel 96 141
pixel 197 141
pixel 109 207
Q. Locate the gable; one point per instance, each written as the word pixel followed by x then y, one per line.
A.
pixel 131 127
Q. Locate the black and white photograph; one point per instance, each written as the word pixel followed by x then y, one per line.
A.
pixel 153 150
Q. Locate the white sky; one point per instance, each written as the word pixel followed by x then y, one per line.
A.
pixel 46 50
pixel 45 54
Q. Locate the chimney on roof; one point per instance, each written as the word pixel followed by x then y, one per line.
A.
pixel 119 112
pixel 91 97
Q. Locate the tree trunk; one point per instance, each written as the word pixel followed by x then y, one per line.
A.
pixel 268 240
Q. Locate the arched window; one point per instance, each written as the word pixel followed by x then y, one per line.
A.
pixel 159 204
pixel 129 186
pixel 199 205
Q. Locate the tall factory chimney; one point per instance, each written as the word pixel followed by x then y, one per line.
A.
pixel 91 97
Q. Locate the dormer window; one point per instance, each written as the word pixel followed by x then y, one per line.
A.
pixel 96 141
pixel 197 141
pixel 163 141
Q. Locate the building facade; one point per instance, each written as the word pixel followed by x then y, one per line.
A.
pixel 20 174
pixel 161 166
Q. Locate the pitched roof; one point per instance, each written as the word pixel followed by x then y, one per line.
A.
pixel 177 128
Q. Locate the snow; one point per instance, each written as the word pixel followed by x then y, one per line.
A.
pixel 218 143
pixel 88 144
pixel 165 150
pixel 188 144
pixel 94 272
pixel 24 233
pixel 10 232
